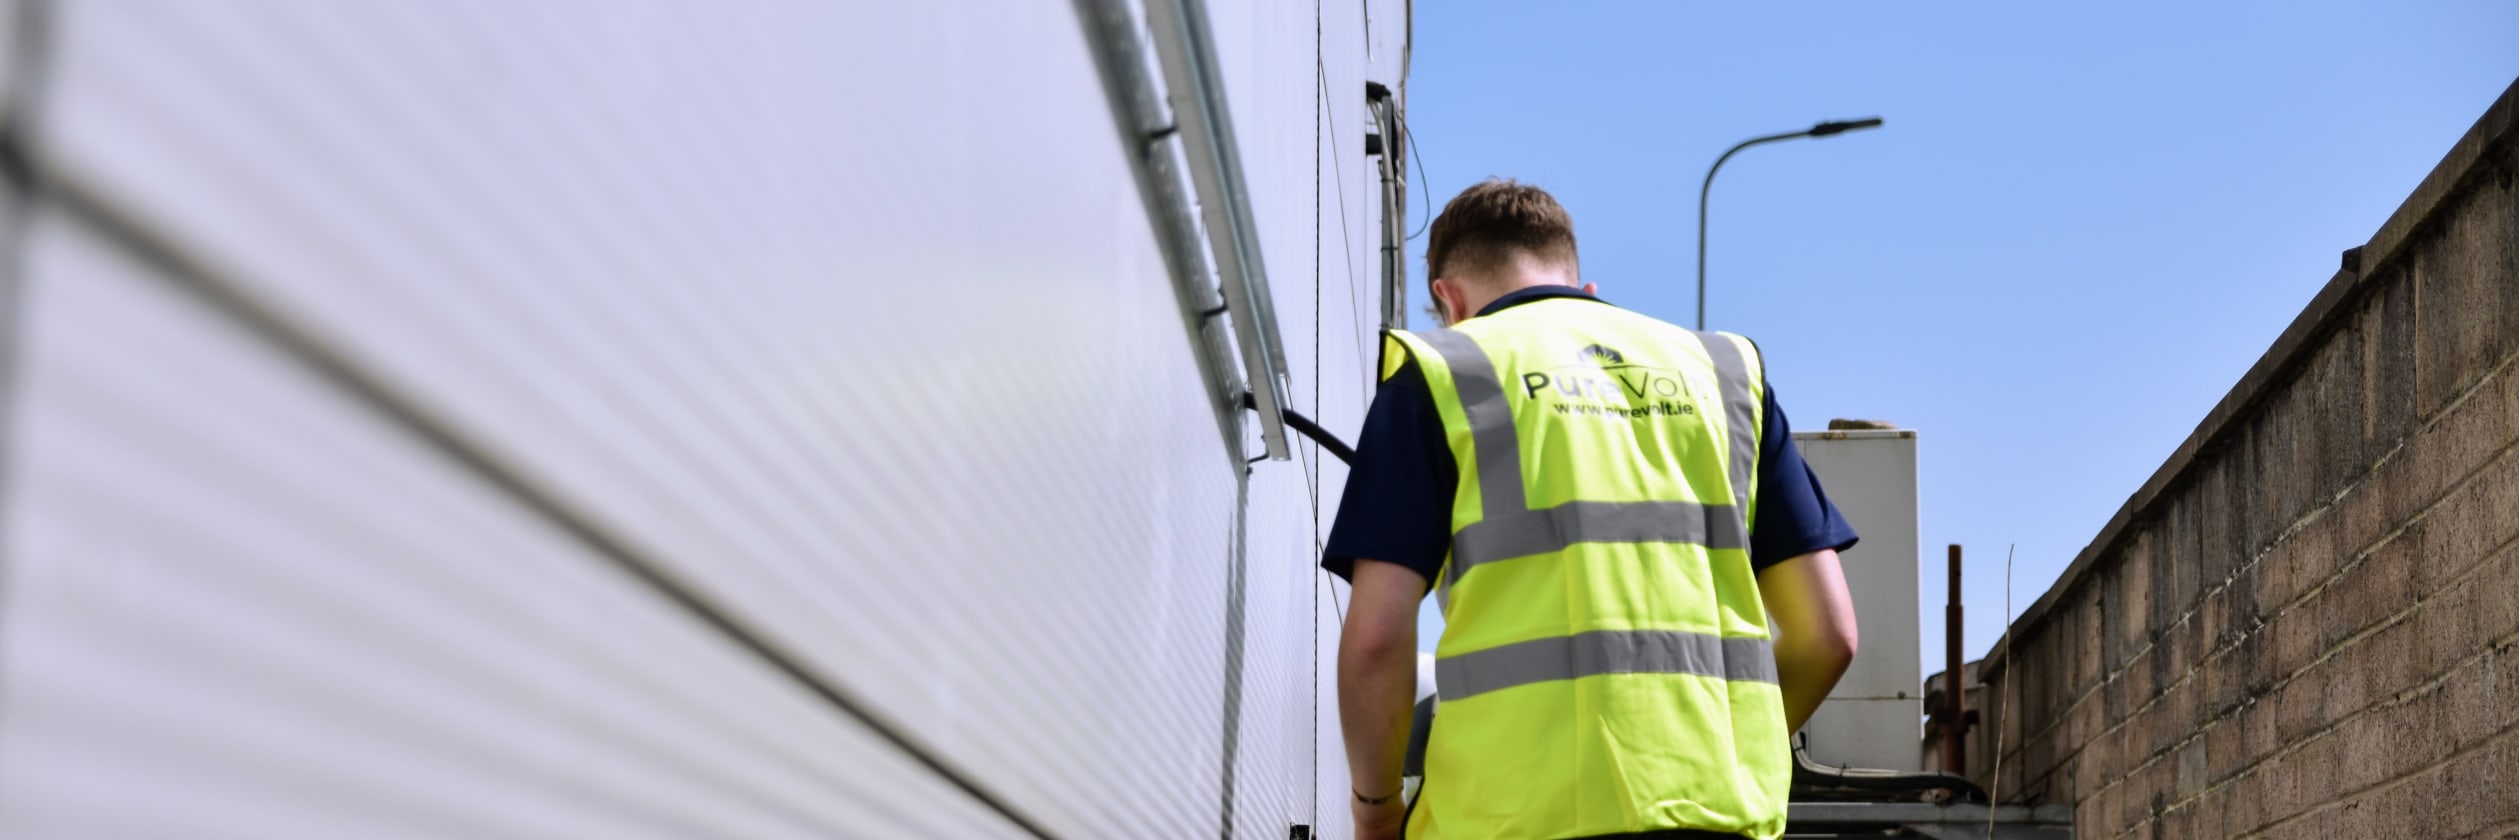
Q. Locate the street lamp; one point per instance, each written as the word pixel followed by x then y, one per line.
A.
pixel 1825 129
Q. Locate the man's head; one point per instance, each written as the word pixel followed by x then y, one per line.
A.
pixel 1494 238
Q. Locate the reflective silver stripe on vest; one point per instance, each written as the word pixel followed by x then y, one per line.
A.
pixel 1496 446
pixel 1499 450
pixel 1526 532
pixel 1603 652
pixel 1740 407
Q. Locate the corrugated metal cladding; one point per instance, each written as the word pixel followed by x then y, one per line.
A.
pixel 600 419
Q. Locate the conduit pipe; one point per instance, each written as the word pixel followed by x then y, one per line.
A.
pixel 1388 138
pixel 1160 163
pixel 1185 47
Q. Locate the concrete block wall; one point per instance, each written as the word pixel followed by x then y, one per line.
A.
pixel 2307 622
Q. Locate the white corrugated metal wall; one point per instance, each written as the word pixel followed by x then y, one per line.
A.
pixel 1318 195
pixel 486 419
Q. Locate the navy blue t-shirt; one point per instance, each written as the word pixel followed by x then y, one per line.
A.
pixel 1398 504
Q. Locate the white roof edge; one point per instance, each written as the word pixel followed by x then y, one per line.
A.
pixel 1853 434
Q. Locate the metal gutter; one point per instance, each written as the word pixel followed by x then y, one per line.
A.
pixel 1161 166
pixel 1185 46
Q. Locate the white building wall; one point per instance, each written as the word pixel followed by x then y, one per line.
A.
pixel 849 319
pixel 239 607
pixel 1317 197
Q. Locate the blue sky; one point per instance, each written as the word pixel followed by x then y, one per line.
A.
pixel 2081 225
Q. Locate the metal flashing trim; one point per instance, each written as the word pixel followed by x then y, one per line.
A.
pixel 1603 652
pixel 1154 146
pixel 1186 47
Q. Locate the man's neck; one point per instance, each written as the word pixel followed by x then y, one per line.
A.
pixel 1515 282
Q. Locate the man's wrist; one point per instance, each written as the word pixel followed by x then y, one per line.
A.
pixel 1374 800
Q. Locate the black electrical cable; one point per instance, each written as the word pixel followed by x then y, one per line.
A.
pixel 1300 423
pixel 1423 189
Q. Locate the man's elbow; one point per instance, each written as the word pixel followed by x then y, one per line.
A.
pixel 1382 619
pixel 1821 650
pixel 1370 643
pixel 1378 642
pixel 1837 646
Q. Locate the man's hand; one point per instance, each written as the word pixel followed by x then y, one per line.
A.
pixel 1387 821
pixel 1377 688
pixel 1815 635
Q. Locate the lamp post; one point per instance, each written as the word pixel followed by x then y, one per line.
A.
pixel 1821 130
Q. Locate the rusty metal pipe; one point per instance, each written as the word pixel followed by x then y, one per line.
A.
pixel 1954 687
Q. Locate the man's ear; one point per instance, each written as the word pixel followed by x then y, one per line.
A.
pixel 1593 289
pixel 1447 300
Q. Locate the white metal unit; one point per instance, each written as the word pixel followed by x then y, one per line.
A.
pixel 1874 717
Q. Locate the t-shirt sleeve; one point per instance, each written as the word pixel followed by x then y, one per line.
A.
pixel 1398 504
pixel 1794 514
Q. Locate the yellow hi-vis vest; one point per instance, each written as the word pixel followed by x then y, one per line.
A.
pixel 1605 665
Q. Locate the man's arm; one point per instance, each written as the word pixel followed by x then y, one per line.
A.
pixel 1815 635
pixel 1377 685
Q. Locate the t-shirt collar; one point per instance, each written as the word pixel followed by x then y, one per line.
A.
pixel 1527 294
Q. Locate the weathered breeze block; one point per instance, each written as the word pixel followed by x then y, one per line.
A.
pixel 2307 624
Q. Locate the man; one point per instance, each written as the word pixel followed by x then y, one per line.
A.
pixel 1611 512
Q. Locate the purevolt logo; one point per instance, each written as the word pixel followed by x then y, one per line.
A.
pixel 1602 373
pixel 1599 355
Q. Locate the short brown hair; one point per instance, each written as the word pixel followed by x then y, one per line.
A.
pixel 1481 228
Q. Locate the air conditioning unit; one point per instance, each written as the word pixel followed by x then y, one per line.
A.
pixel 1874 718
